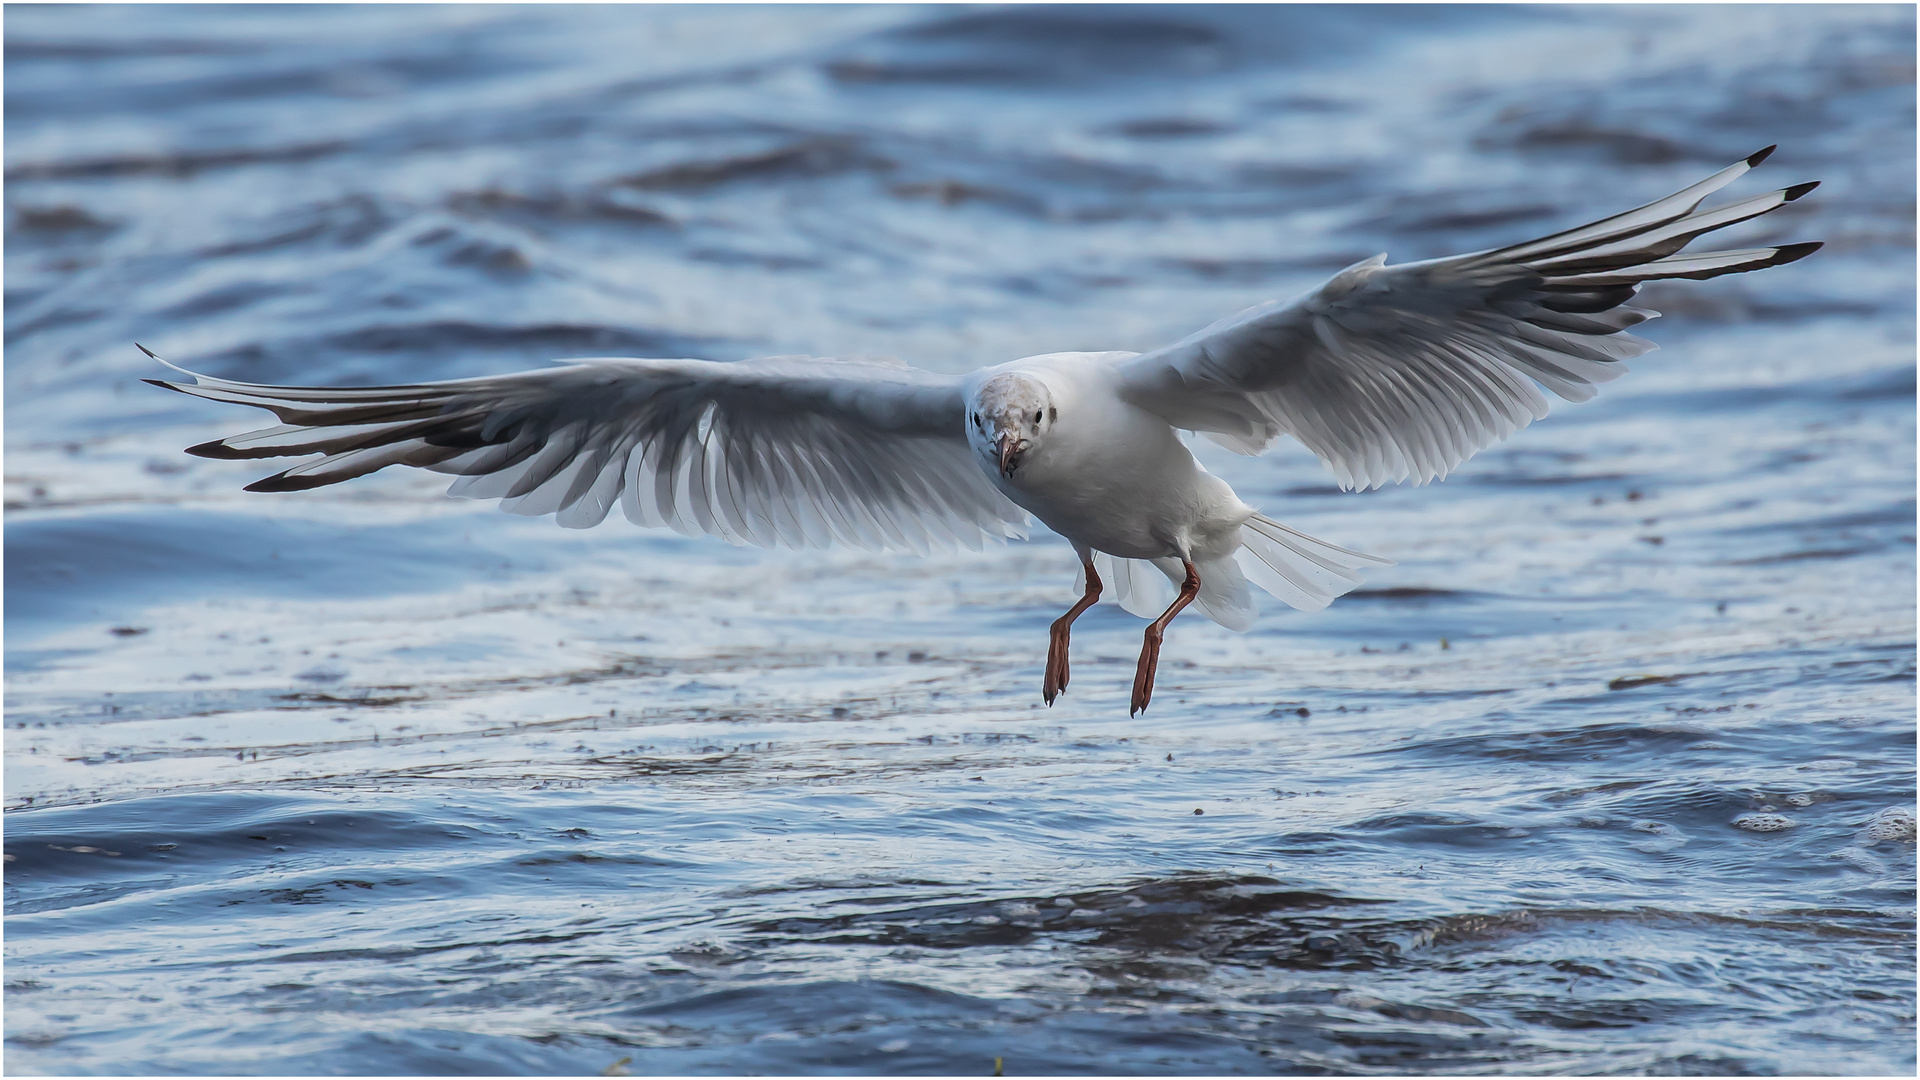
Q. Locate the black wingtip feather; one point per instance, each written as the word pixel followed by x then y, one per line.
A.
pixel 283 482
pixel 214 449
pixel 1761 155
pixel 1798 190
pixel 1794 252
pixel 146 350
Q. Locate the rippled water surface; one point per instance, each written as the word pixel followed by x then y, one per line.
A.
pixel 1613 772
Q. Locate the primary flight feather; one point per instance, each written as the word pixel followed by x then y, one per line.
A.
pixel 1387 373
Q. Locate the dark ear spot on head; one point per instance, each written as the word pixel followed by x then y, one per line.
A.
pixel 1052 413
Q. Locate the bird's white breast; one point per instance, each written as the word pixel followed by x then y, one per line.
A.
pixel 1109 475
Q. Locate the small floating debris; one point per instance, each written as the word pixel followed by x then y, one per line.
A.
pixel 1628 682
pixel 1764 822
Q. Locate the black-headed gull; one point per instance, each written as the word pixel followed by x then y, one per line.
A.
pixel 1388 373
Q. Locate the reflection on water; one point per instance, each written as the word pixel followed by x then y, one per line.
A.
pixel 1613 772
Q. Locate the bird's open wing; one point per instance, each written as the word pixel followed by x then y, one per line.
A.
pixel 1393 373
pixel 781 451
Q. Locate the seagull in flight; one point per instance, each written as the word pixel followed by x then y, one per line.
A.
pixel 1388 374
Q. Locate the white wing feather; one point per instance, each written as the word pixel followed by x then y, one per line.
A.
pixel 785 451
pixel 1392 373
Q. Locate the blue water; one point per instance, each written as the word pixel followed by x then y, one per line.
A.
pixel 1613 772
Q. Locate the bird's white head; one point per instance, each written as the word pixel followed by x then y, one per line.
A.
pixel 1008 416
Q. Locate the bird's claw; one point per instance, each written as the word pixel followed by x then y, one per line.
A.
pixel 1143 675
pixel 1055 682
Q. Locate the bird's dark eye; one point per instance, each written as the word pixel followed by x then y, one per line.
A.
pixel 1036 416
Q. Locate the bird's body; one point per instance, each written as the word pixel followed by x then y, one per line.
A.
pixel 1108 475
pixel 1387 373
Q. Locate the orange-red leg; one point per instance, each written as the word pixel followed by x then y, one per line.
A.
pixel 1056 678
pixel 1156 630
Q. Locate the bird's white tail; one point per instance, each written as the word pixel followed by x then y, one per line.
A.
pixel 1296 568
